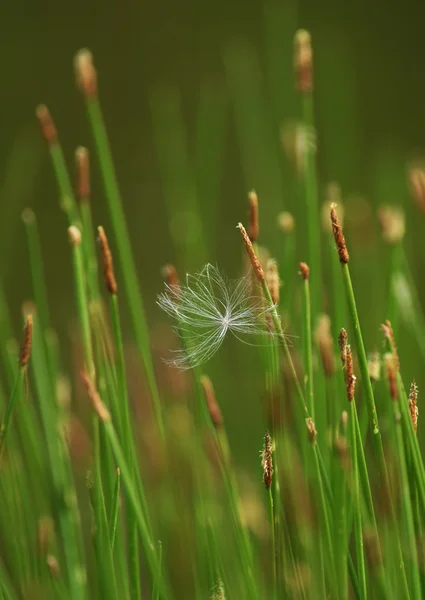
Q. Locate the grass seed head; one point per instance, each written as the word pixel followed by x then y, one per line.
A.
pixel 254 224
pixel 273 280
pixel 311 428
pixel 374 366
pixel 391 375
pixel 25 352
pixel 212 404
pixel 325 343
pixel 47 125
pixel 304 271
pixel 350 378
pixel 108 265
pixel 256 265
pixel 267 460
pixel 342 343
pixel 86 73
pixel 83 173
pixel 413 405
pixel 339 237
pixel 74 235
pixel 417 185
pixel 286 222
pixel 388 332
pixel 96 400
pixel 392 224
pixel 303 61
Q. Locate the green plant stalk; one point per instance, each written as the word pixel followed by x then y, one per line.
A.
pixel 274 548
pixel 155 594
pixel 89 250
pixel 308 356
pixel 64 495
pixel 312 209
pixel 150 553
pixel 68 203
pixel 113 519
pixel 370 403
pixel 340 528
pixel 125 256
pixel 358 533
pixel 407 502
pixel 128 445
pixel 17 392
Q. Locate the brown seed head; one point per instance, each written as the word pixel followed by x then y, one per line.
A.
pixel 86 73
pixel 391 376
pixel 333 195
pixel 25 353
pixel 286 222
pixel 83 173
pixel 48 128
pixel 169 272
pixel 392 224
pixel 303 61
pixel 311 428
pixel 108 265
pixel 212 404
pixel 350 378
pixel 258 269
pixel 267 460
pixel 417 186
pixel 325 343
pixel 339 237
pixel 304 271
pixel 388 332
pixel 95 398
pixel 273 280
pixel 413 401
pixel 254 224
pixel 74 235
pixel 342 342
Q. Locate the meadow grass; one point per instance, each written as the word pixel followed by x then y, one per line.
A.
pixel 337 511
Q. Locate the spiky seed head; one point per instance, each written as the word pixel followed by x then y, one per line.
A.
pixel 25 353
pixel 108 265
pixel 311 428
pixel 86 73
pixel 391 375
pixel 83 173
pixel 169 272
pixel 256 265
pixel 342 342
pixel 47 125
pixel 267 460
pixel 339 237
pixel 304 271
pixel 303 61
pixel 350 378
pixel 388 332
pixel 333 195
pixel 413 401
pixel 254 223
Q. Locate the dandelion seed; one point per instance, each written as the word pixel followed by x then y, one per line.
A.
pixel 206 308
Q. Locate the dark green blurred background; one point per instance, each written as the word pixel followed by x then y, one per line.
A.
pixel 194 94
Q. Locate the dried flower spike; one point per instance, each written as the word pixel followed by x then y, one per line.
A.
pixel 304 270
pixel 95 398
pixel 25 353
pixel 48 128
pixel 108 266
pixel 83 173
pixel 258 269
pixel 342 342
pixel 254 224
pixel 391 375
pixel 389 334
pixel 350 378
pixel 169 272
pixel 74 235
pixel 273 280
pixel 417 186
pixel 339 237
pixel 212 404
pixel 303 61
pixel 267 460
pixel 86 73
pixel 311 428
pixel 413 401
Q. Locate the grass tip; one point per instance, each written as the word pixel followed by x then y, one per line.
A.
pixel 254 224
pixel 350 378
pixel 303 61
pixel 96 400
pixel 311 429
pixel 304 271
pixel 47 125
pixel 169 273
pixel 256 265
pixel 25 353
pixel 85 73
pixel 212 404
pixel 339 236
pixel 82 162
pixel 388 332
pixel 108 265
pixel 74 235
pixel 391 375
pixel 273 279
pixel 342 343
pixel 413 400
pixel 267 460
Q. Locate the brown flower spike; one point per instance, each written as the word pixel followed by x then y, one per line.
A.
pixel 83 173
pixel 25 353
pixel 258 269
pixel 48 128
pixel 266 460
pixel 339 237
pixel 212 404
pixel 108 266
pixel 303 61
pixel 413 400
pixel 342 342
pixel 305 271
pixel 350 378
pixel 254 224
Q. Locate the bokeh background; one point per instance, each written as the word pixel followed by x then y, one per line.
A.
pixel 195 94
